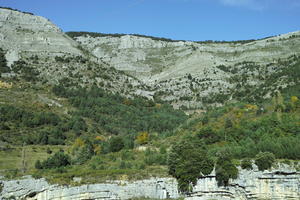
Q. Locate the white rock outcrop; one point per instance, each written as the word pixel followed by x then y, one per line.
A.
pixel 280 183
pixel 150 59
pixel 38 189
pixel 22 33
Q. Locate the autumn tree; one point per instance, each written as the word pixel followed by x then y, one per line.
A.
pixel 142 138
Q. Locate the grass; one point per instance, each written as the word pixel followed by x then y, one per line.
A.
pixel 90 176
pixel 11 159
pixel 99 169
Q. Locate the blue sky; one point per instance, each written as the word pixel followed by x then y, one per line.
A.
pixel 177 19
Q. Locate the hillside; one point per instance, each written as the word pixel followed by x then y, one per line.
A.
pixel 38 51
pixel 188 75
pixel 195 75
pixel 114 106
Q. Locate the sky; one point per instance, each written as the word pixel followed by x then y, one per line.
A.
pixel 195 20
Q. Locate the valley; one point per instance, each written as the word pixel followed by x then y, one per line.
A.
pixel 184 119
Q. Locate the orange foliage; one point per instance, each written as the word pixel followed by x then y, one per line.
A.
pixel 127 102
pixel 99 138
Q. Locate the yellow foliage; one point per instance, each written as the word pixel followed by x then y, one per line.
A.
pixel 294 99
pixel 78 143
pixel 123 179
pixel 239 115
pixel 5 85
pixel 142 138
pixel 158 105
pixel 251 107
pixel 97 149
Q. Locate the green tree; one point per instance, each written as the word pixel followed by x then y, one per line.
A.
pixel 116 144
pixel 225 169
pixel 264 160
pixel 3 63
pixel 59 159
pixel 188 161
pixel 246 163
pixel 38 165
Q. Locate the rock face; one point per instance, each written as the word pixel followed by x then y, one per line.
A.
pixel 32 189
pixel 192 74
pixel 280 183
pixel 188 75
pixel 151 60
pixel 23 34
pixel 53 55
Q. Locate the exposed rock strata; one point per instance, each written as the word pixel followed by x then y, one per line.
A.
pixel 280 183
pixel 39 189
pixel 29 34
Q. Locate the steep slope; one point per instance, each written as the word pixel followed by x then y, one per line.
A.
pixel 23 34
pixel 189 75
pixel 195 74
pixel 38 51
pixel 157 59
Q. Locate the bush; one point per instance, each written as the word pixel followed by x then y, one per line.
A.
pixel 116 144
pixel 59 159
pixel 225 169
pixel 38 165
pixel 49 151
pixel 246 163
pixel 3 63
pixel 264 160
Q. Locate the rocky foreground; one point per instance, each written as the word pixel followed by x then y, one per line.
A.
pixel 282 182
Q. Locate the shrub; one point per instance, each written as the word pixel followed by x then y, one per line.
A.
pixel 3 63
pixel 116 144
pixel 246 163
pixel 142 138
pixel 59 159
pixel 225 169
pixel 49 151
pixel 264 160
pixel 38 165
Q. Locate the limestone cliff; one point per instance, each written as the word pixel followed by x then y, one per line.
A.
pixel 280 183
pixel 197 73
pixel 39 189
pixel 23 33
pixel 187 74
pixel 152 60
pixel 52 56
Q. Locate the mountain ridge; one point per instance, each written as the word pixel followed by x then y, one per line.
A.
pixel 83 110
pixel 190 75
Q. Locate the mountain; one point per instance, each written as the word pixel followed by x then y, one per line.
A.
pixel 196 74
pixel 24 34
pixel 52 90
pixel 189 75
pixel 82 108
pixel 34 44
